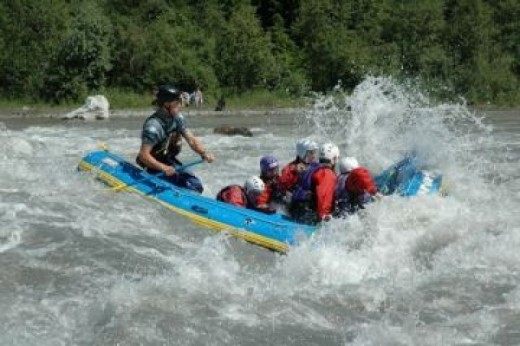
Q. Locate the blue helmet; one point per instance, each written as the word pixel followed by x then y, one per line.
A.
pixel 268 162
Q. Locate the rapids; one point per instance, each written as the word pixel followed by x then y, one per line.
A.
pixel 83 265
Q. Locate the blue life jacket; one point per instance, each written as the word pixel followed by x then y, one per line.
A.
pixel 303 190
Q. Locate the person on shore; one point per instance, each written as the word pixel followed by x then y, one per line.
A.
pixel 243 196
pixel 306 153
pixel 355 187
pixel 269 173
pixel 221 104
pixel 161 140
pixel 313 200
pixel 199 98
pixel 185 97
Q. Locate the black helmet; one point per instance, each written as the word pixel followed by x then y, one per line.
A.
pixel 167 93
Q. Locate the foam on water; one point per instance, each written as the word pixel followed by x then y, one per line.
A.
pixel 84 265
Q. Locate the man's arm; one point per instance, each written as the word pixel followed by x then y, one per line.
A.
pixel 145 155
pixel 197 146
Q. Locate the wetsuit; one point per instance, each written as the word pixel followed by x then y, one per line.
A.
pixel 164 133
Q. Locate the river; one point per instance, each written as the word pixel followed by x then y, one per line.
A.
pixel 83 265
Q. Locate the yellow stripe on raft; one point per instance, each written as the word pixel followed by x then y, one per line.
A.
pixel 118 185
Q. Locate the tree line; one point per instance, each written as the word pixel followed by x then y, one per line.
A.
pixel 56 50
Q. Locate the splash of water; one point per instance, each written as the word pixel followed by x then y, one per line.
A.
pixel 382 120
pixel 399 250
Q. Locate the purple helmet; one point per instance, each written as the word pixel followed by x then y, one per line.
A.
pixel 268 162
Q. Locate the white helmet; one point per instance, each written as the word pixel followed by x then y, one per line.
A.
pixel 254 184
pixel 329 151
pixel 347 164
pixel 303 146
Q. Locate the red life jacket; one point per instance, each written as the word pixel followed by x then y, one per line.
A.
pixel 324 183
pixel 236 195
pixel 233 194
pixel 289 177
pixel 265 197
pixel 360 181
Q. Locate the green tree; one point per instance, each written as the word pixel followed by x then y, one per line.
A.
pixel 287 73
pixel 271 11
pixel 82 59
pixel 507 37
pixel 332 51
pixel 244 52
pixel 30 31
pixel 169 49
pixel 370 22
pixel 475 70
pixel 64 49
pixel 417 28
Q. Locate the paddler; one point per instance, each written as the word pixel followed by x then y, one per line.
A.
pixel 355 186
pixel 306 153
pixel 269 173
pixel 313 200
pixel 246 196
pixel 161 140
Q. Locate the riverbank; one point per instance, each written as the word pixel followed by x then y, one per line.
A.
pixel 34 113
pixel 126 104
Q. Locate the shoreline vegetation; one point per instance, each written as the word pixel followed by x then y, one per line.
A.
pixel 257 101
pixel 59 52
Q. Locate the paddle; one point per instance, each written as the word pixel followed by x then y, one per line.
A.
pixel 180 168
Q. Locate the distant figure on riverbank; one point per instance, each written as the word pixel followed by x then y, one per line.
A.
pixel 185 98
pixel 196 98
pixel 95 107
pixel 221 104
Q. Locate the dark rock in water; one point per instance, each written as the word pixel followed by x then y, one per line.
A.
pixel 233 131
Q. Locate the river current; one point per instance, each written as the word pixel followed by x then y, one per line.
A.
pixel 81 264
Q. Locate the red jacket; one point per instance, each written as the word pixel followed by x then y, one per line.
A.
pixel 263 201
pixel 265 197
pixel 324 182
pixel 360 181
pixel 236 195
pixel 233 194
pixel 289 177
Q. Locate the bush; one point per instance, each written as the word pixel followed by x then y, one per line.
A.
pixel 82 58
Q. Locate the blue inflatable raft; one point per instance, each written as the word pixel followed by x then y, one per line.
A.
pixel 276 232
pixel 406 179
